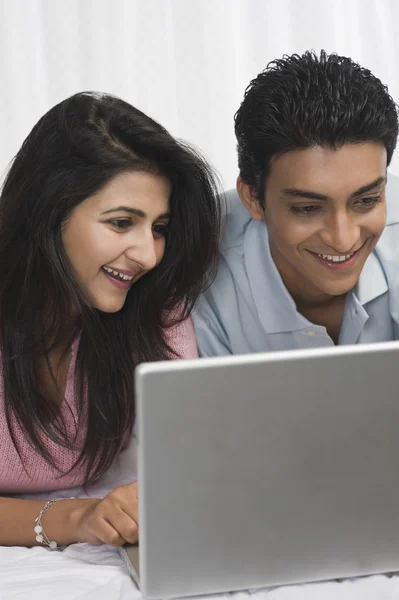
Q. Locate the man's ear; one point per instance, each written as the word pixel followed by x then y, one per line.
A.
pixel 250 201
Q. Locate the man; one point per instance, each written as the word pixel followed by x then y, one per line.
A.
pixel 310 254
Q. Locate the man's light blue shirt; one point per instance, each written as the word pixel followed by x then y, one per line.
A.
pixel 248 308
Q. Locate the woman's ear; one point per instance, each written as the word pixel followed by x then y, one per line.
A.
pixel 249 199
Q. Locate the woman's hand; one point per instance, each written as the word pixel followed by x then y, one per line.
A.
pixel 113 520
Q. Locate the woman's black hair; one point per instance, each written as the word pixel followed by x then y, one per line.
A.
pixel 72 153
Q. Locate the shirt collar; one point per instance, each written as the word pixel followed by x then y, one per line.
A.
pixel 372 282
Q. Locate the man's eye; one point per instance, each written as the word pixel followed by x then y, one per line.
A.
pixel 368 202
pixel 120 223
pixel 305 211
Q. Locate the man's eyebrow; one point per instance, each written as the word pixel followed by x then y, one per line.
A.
pixel 298 193
pixel 133 211
pixel 368 187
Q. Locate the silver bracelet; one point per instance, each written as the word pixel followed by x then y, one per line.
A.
pixel 41 535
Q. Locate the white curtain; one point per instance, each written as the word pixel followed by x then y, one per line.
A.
pixel 184 62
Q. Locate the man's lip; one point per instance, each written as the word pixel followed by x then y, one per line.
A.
pixel 353 252
pixel 130 273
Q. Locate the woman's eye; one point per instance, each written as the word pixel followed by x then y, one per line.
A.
pixel 120 224
pixel 160 230
pixel 305 211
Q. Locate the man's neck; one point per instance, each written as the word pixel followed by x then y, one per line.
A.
pixel 312 303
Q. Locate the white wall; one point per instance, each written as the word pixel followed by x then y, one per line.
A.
pixel 184 62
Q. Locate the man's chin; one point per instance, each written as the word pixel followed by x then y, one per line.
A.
pixel 338 289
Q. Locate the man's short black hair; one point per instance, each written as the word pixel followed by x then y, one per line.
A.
pixel 306 101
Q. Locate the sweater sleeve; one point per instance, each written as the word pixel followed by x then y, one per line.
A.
pixel 181 338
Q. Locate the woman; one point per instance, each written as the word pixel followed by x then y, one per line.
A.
pixel 108 233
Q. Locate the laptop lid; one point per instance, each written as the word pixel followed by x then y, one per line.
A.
pixel 268 469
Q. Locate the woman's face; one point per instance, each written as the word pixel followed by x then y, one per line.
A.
pixel 116 236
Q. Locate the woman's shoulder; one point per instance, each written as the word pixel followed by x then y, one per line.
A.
pixel 181 339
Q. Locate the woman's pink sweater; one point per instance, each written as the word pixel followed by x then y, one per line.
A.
pixel 33 473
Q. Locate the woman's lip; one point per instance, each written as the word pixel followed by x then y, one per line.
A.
pixel 130 273
pixel 119 283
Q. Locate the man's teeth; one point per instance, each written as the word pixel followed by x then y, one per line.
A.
pixel 335 258
pixel 117 274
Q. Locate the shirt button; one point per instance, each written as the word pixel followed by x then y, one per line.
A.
pixel 310 333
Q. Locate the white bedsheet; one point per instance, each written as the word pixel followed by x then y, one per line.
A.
pixel 83 572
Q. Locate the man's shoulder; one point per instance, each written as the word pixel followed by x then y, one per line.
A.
pixel 231 269
pixel 235 219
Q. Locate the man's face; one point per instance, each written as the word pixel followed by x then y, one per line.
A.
pixel 325 211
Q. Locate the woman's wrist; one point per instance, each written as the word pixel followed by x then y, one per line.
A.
pixel 63 522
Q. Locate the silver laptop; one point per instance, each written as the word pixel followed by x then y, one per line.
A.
pixel 267 469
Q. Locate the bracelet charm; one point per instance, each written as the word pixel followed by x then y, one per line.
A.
pixel 41 536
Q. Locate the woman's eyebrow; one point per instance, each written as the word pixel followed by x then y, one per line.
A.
pixel 128 209
pixel 133 211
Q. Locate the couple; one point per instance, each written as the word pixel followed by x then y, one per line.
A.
pixel 109 242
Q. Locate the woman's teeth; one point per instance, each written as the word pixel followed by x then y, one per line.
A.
pixel 335 258
pixel 117 274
